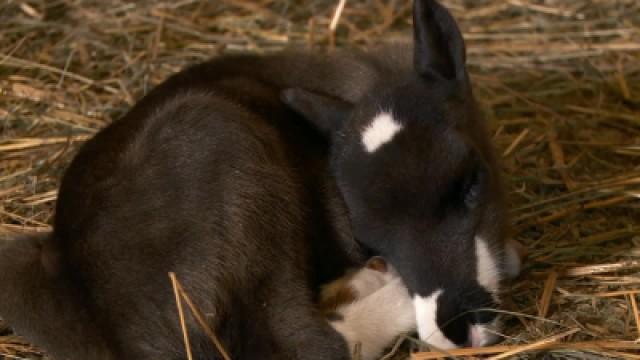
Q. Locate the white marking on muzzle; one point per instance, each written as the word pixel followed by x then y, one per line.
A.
pixel 426 318
pixel 488 274
pixel 380 131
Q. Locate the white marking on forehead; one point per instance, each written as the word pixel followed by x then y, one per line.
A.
pixel 380 131
pixel 426 318
pixel 487 271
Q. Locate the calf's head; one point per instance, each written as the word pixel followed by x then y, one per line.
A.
pixel 415 168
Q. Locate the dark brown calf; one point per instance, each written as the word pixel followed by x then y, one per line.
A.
pixel 213 177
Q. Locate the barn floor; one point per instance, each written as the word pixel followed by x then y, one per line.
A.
pixel 559 80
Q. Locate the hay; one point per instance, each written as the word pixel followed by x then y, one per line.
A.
pixel 560 81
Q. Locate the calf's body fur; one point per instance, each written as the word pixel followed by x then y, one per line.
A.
pixel 209 176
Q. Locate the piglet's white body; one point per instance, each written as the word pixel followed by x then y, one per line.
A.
pixel 380 311
pixel 375 321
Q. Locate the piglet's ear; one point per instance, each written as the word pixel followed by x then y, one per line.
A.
pixel 324 112
pixel 378 264
pixel 439 46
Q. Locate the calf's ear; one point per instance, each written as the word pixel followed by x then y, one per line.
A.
pixel 438 44
pixel 324 112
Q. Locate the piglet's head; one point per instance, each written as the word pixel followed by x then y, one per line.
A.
pixel 414 165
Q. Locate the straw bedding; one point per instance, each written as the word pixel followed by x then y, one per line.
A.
pixel 559 82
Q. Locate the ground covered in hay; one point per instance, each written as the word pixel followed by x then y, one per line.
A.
pixel 560 82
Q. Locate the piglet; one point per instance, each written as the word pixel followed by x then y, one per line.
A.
pixel 369 307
